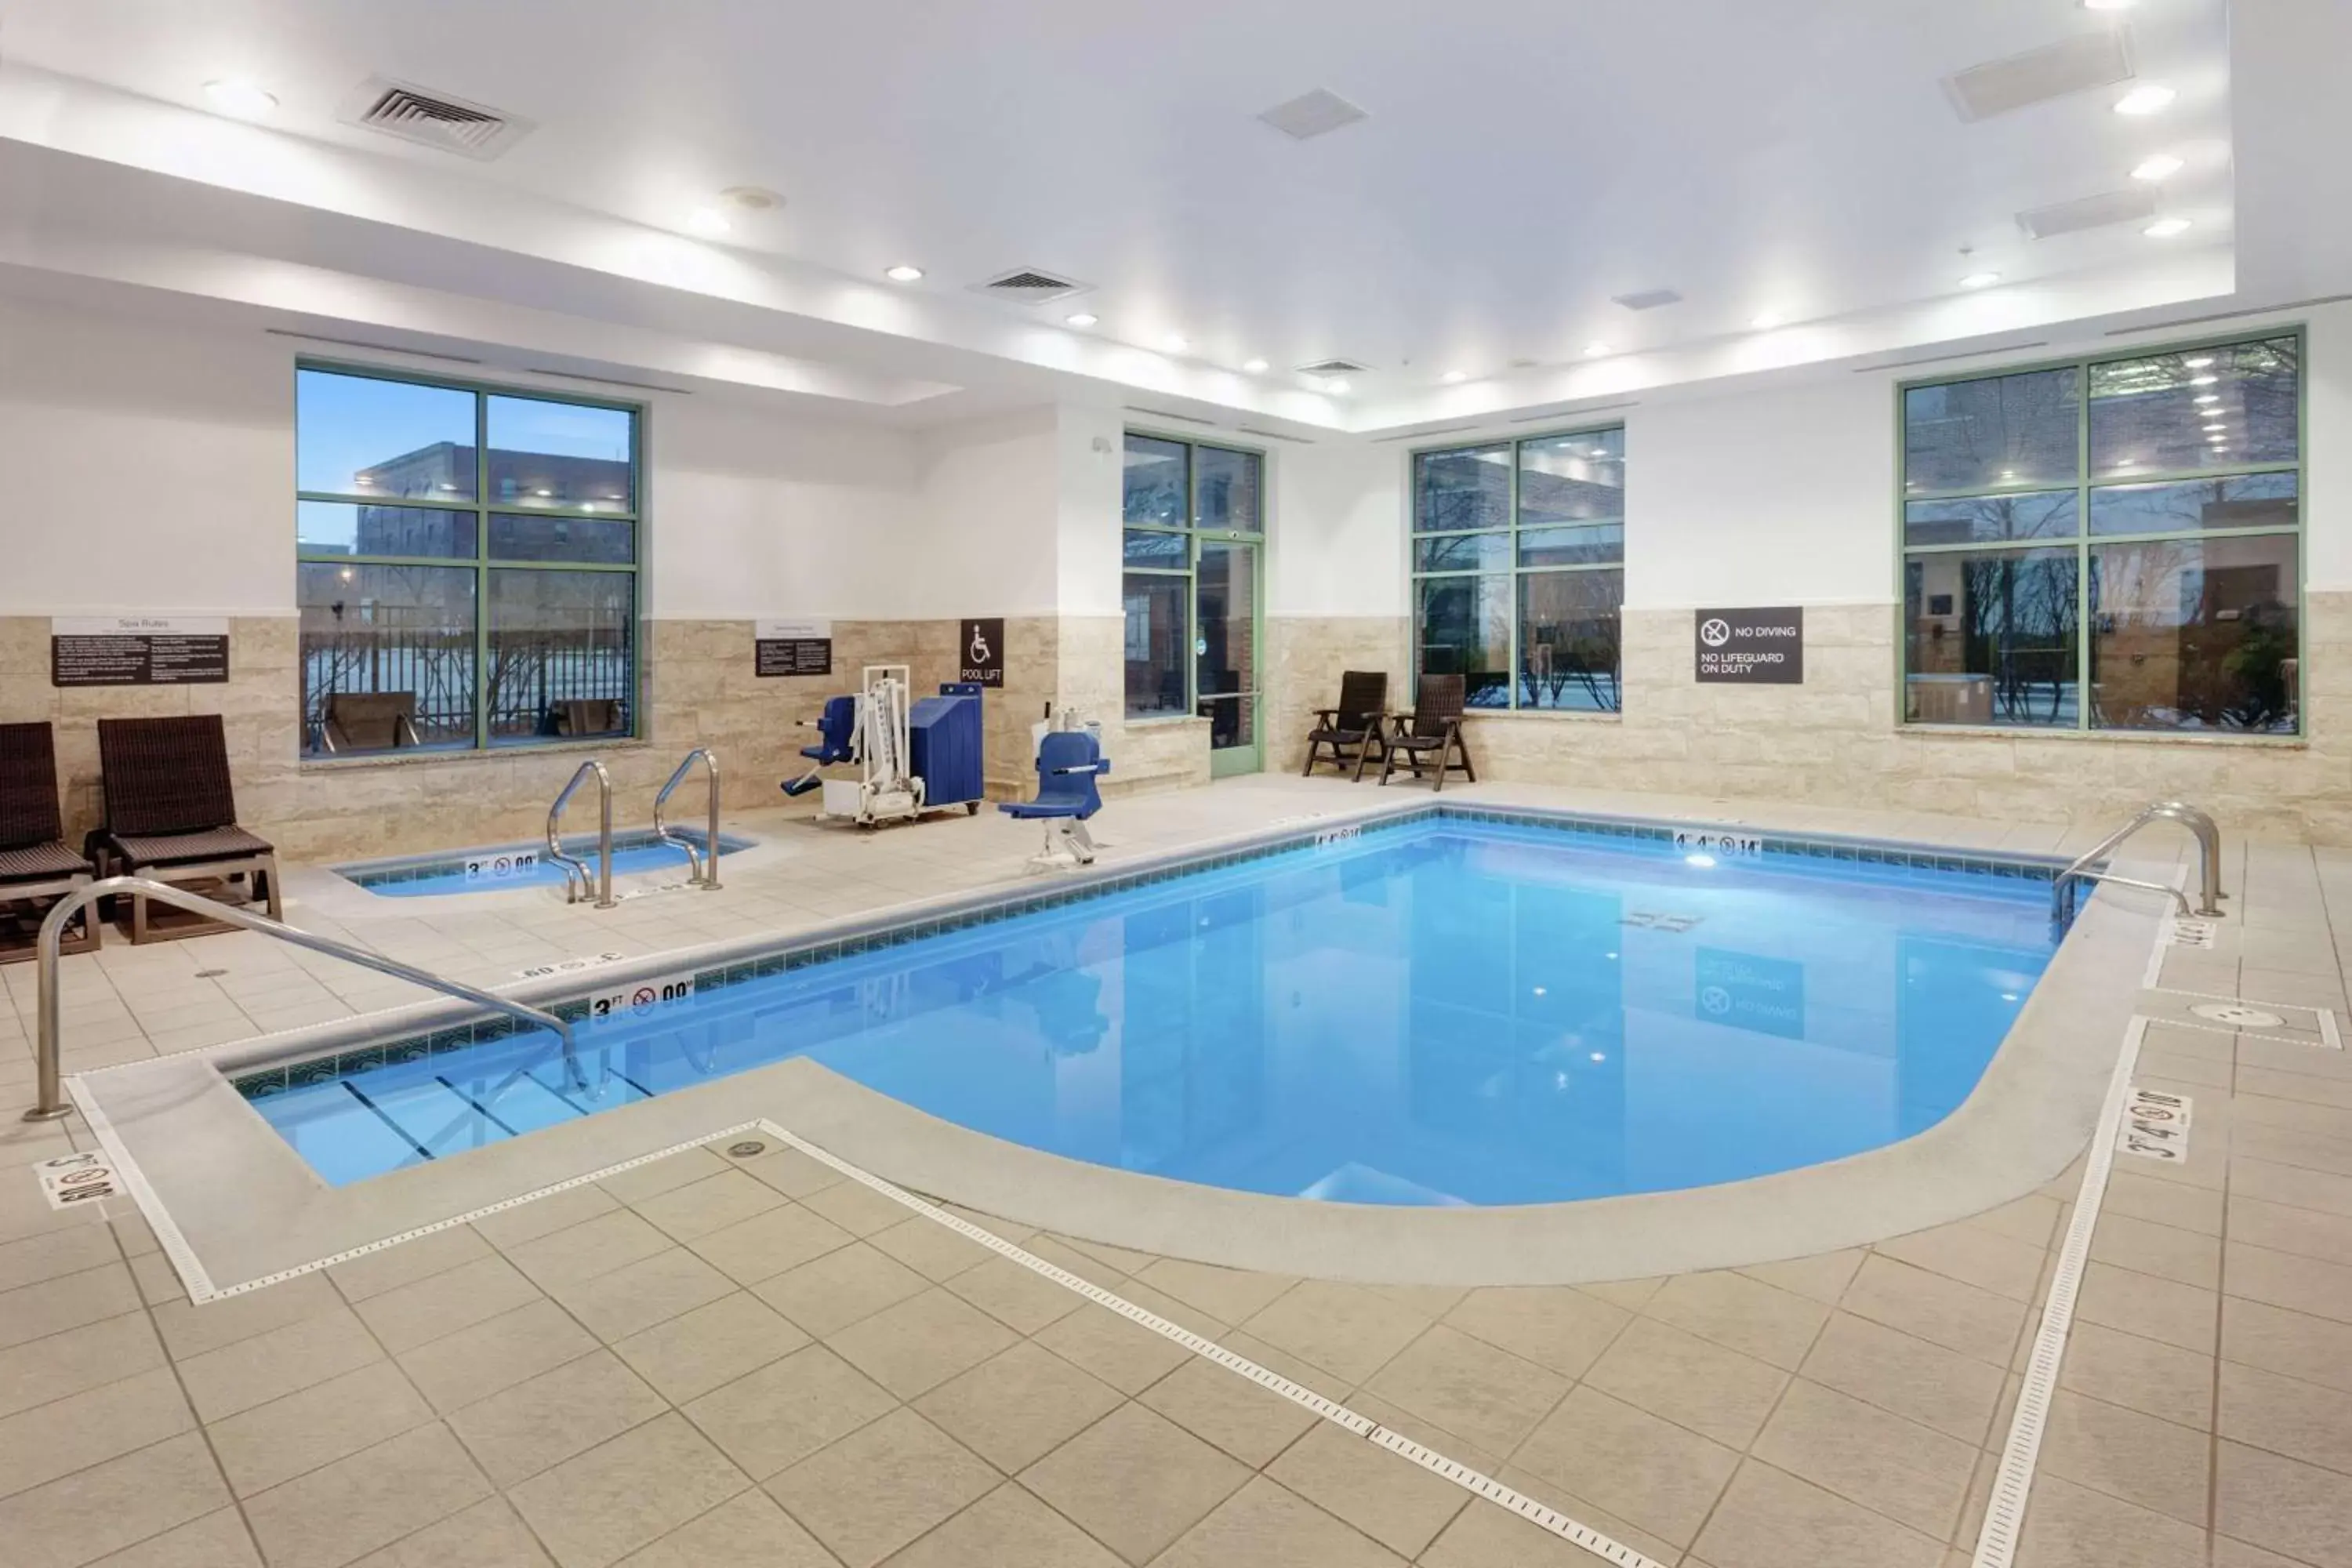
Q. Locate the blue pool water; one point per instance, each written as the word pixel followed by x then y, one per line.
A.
pixel 524 864
pixel 1444 1012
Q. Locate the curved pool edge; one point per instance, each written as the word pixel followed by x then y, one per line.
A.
pixel 2030 1115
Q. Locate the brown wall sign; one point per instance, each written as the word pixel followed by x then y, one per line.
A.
pixel 792 648
pixel 981 656
pixel 1750 648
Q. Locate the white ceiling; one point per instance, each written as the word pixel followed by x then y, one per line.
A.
pixel 1523 161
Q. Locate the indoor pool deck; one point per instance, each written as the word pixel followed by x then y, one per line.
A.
pixel 722 1360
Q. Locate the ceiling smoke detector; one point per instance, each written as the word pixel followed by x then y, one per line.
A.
pixel 434 120
pixel 2071 65
pixel 1030 286
pixel 1312 114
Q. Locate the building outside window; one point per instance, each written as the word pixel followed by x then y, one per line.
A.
pixel 1193 527
pixel 2109 545
pixel 1518 573
pixel 467 563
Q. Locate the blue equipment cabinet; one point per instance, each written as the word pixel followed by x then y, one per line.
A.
pixel 945 751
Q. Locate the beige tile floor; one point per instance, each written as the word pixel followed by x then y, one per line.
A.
pixel 713 1360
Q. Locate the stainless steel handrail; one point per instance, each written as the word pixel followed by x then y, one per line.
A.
pixel 2208 862
pixel 702 864
pixel 575 871
pixel 50 1101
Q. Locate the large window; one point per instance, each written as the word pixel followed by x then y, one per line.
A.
pixel 468 569
pixel 1193 519
pixel 2111 545
pixel 1518 569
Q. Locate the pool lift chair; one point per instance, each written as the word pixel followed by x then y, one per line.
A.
pixel 914 757
pixel 836 742
pixel 1069 763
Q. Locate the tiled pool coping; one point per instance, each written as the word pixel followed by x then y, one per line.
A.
pixel 445 863
pixel 297 1072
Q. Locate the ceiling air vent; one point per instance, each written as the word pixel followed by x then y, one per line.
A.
pixel 1647 299
pixel 2071 65
pixel 2088 212
pixel 1312 114
pixel 433 118
pixel 1333 367
pixel 1029 286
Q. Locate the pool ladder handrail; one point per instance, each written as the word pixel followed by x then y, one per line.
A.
pixel 702 862
pixel 575 871
pixel 50 1101
pixel 2208 862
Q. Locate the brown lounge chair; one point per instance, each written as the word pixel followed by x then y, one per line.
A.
pixel 1435 727
pixel 587 716
pixel 36 866
pixel 171 814
pixel 369 722
pixel 1351 731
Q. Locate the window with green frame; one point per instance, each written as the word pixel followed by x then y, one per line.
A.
pixel 1518 569
pixel 1180 501
pixel 467 562
pixel 2111 544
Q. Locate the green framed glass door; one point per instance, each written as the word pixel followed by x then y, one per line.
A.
pixel 1225 662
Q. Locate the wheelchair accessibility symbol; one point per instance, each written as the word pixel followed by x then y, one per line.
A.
pixel 981 652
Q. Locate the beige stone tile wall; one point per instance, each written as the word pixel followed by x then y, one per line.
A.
pixel 700 691
pixel 1837 739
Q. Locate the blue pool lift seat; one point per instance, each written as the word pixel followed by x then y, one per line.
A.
pixel 1069 763
pixel 836 742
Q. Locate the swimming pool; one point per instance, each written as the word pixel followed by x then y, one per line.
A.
pixel 1454 1008
pixel 522 865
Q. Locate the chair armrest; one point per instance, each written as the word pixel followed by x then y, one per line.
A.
pixel 1102 767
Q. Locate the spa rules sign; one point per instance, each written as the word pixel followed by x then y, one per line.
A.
pixel 1750 648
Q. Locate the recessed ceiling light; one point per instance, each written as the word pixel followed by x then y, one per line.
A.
pixel 2209 397
pixel 1979 279
pixel 709 220
pixel 1595 350
pixel 1765 322
pixel 2163 167
pixel 2146 99
pixel 2108 4
pixel 1254 366
pixel 1175 343
pixel 2203 380
pixel 1337 386
pixel 902 273
pixel 1082 319
pixel 1454 377
pixel 2165 228
pixel 240 97
pixel 2200 362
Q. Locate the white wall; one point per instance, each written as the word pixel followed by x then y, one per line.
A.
pixel 986 540
pixel 1090 498
pixel 1336 532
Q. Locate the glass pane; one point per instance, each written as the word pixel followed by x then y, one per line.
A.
pixel 1227 489
pixel 399 630
pixel 356 434
pixel 1225 630
pixel 561 455
pixel 2195 633
pixel 1156 632
pixel 611 540
pixel 1985 433
pixel 1233 723
pixel 1572 546
pixel 1991 638
pixel 1568 639
pixel 1572 478
pixel 1154 483
pixel 1463 553
pixel 2248 500
pixel 2040 514
pixel 2199 408
pixel 560 654
pixel 1463 491
pixel 1463 628
pixel 1168 551
pixel 333 527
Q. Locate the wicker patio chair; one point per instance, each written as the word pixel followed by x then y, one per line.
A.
pixel 1351 731
pixel 171 814
pixel 36 866
pixel 1433 731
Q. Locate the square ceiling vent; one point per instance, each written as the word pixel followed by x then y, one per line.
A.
pixel 1030 286
pixel 2054 70
pixel 2088 212
pixel 1647 299
pixel 430 119
pixel 1334 367
pixel 1313 114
